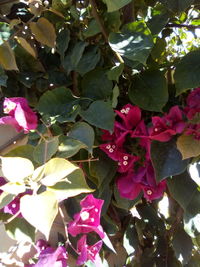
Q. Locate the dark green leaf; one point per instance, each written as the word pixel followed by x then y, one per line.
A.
pixel 114 5
pixel 92 29
pixel 45 150
pixel 177 6
pixel 99 114
pixel 167 160
pixel 184 190
pixel 115 72
pixel 89 60
pixel 62 42
pixel 149 90
pixel 58 105
pixel 160 17
pixel 134 43
pixel 96 85
pixel 182 245
pixel 187 72
pixel 84 133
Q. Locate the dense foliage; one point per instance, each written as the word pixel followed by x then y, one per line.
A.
pixel 100 129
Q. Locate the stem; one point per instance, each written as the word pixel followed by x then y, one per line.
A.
pixel 174 25
pixel 13 217
pixel 84 160
pixel 102 27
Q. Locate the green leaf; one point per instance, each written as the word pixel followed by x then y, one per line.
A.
pixel 134 43
pixel 55 170
pixel 84 133
pixel 74 185
pixel 114 5
pixel 89 60
pixel 187 72
pixel 95 84
pixel 5 199
pixel 115 72
pixel 103 169
pixel 45 150
pixel 44 32
pixel 177 6
pixel 20 230
pixel 160 17
pixel 7 57
pixel 188 146
pixel 184 190
pixel 91 115
pixel 58 105
pixel 40 210
pixel 92 29
pixel 167 160
pixel 68 147
pixel 149 90
pixel 62 42
pixel 25 151
pixel 130 239
pixel 73 57
pixel 182 245
pixel 21 168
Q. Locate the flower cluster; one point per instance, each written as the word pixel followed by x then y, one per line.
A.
pixel 20 115
pixel 129 144
pixel 86 221
pixel 48 256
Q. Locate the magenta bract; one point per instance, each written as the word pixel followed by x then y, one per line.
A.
pixel 20 115
pixel 87 252
pixel 88 219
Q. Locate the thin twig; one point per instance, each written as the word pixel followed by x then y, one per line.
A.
pixel 174 25
pixel 84 160
pixel 13 217
pixel 101 25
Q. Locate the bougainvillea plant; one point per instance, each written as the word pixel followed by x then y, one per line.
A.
pixel 100 133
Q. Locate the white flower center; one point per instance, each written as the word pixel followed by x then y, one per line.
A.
pixel 149 192
pixel 9 106
pixel 84 215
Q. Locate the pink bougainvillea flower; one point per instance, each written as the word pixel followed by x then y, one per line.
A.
pixel 193 103
pixel 87 252
pixel 20 115
pixel 14 206
pixel 151 193
pixel 111 150
pixel 130 184
pixel 127 187
pixel 193 129
pixel 51 257
pixel 171 124
pixel 130 115
pixel 88 219
pixel 126 162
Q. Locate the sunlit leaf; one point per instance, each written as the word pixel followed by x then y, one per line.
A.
pixel 7 57
pixel 40 210
pixel 188 146
pixel 21 168
pixel 27 46
pixel 44 32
